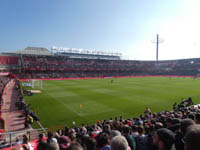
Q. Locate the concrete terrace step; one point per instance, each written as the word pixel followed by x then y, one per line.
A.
pixel 10 113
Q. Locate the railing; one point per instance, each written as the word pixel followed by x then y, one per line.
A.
pixel 14 138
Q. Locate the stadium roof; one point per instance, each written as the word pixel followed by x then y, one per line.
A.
pixel 33 51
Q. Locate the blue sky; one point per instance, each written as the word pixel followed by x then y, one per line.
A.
pixel 125 26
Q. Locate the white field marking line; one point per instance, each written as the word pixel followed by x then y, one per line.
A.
pixel 71 109
pixel 65 105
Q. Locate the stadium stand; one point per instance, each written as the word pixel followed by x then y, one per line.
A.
pixel 7 60
pixel 29 66
pixel 61 66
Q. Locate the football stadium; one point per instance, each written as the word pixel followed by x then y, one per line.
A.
pixel 99 75
pixel 44 91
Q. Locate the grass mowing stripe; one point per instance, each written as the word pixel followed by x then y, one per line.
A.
pixel 64 104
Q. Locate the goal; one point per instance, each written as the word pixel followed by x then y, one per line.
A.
pixel 36 83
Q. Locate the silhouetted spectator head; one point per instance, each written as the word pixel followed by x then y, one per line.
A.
pixel 192 138
pixel 164 139
pixel 198 118
pixel 114 133
pixel 134 128
pixel 49 135
pixel 25 139
pixel 106 128
pixel 41 142
pixel 89 143
pixel 185 123
pixel 119 143
pixel 175 121
pixel 175 127
pixel 41 135
pixel 126 130
pixel 42 145
pixel 147 129
pixel 158 125
pixel 120 118
pixel 116 118
pixel 103 139
pixel 140 129
pixel 169 122
pixel 192 116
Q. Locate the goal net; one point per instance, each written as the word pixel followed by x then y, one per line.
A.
pixel 36 83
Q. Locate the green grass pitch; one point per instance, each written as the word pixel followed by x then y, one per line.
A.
pixel 60 100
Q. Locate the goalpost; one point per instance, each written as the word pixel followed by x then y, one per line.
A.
pixel 36 83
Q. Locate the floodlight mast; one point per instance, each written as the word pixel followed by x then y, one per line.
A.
pixel 158 41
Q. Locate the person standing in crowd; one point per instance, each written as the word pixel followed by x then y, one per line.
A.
pixel 192 138
pixel 126 131
pixel 141 139
pixel 104 143
pixel 174 106
pixel 89 143
pixel 147 110
pixel 184 124
pixel 42 144
pixel 164 139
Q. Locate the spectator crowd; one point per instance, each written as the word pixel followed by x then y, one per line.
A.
pixel 166 130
